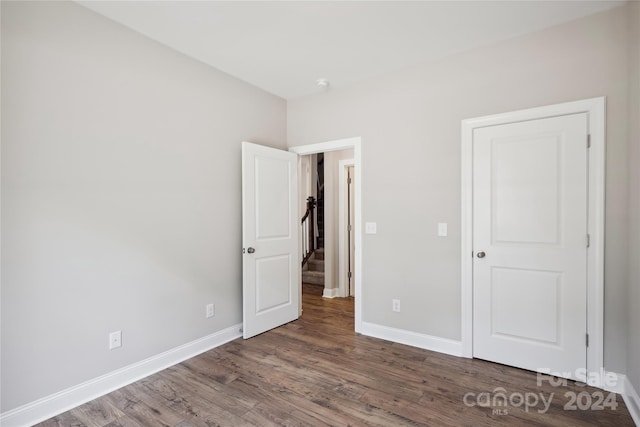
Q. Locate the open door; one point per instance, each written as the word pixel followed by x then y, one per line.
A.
pixel 270 263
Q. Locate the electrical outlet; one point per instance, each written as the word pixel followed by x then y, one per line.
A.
pixel 115 340
pixel 211 310
pixel 395 305
pixel 442 229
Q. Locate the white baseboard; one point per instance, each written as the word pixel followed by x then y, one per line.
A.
pixel 611 381
pixel 427 342
pixel 632 400
pixel 630 396
pixel 331 293
pixel 57 403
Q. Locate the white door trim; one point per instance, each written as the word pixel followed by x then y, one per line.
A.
pixel 595 108
pixel 343 144
pixel 342 243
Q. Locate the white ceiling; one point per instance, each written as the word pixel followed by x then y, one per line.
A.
pixel 283 47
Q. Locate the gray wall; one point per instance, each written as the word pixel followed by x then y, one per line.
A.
pixel 633 341
pixel 409 122
pixel 120 196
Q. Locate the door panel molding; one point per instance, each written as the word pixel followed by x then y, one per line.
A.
pixel 595 109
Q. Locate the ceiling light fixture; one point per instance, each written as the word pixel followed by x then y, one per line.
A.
pixel 322 83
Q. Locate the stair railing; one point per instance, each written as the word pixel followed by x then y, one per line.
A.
pixel 308 231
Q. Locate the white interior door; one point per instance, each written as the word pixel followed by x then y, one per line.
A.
pixel 271 266
pixel 530 244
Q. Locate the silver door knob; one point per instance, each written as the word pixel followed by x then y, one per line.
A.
pixel 481 254
pixel 251 250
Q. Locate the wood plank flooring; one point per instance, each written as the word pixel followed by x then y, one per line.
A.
pixel 316 371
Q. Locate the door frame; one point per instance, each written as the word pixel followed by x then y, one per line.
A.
pixel 595 108
pixel 342 238
pixel 345 144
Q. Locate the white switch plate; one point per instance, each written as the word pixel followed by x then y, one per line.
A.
pixel 442 229
pixel 211 310
pixel 395 305
pixel 115 340
pixel 370 228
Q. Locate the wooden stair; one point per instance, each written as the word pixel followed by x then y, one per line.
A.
pixel 313 270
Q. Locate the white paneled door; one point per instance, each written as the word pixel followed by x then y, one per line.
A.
pixel 271 267
pixel 530 244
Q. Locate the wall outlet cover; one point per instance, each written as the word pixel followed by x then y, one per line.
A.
pixel 115 340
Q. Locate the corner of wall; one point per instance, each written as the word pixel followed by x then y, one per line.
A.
pixel 633 337
pixel 632 400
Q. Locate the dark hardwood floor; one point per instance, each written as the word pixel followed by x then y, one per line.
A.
pixel 317 371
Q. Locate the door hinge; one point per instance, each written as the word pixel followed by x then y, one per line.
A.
pixel 588 240
pixel 587 340
pixel 588 140
pixel 244 250
pixel 349 181
pixel 349 227
pixel 349 275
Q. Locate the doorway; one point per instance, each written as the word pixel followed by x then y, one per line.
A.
pixel 327 148
pixel 532 238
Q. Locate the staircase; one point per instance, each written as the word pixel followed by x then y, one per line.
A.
pixel 313 270
pixel 320 221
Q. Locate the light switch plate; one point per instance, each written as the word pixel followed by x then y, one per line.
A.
pixel 442 229
pixel 370 228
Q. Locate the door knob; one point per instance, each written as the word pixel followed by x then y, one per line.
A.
pixel 251 250
pixel 481 254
